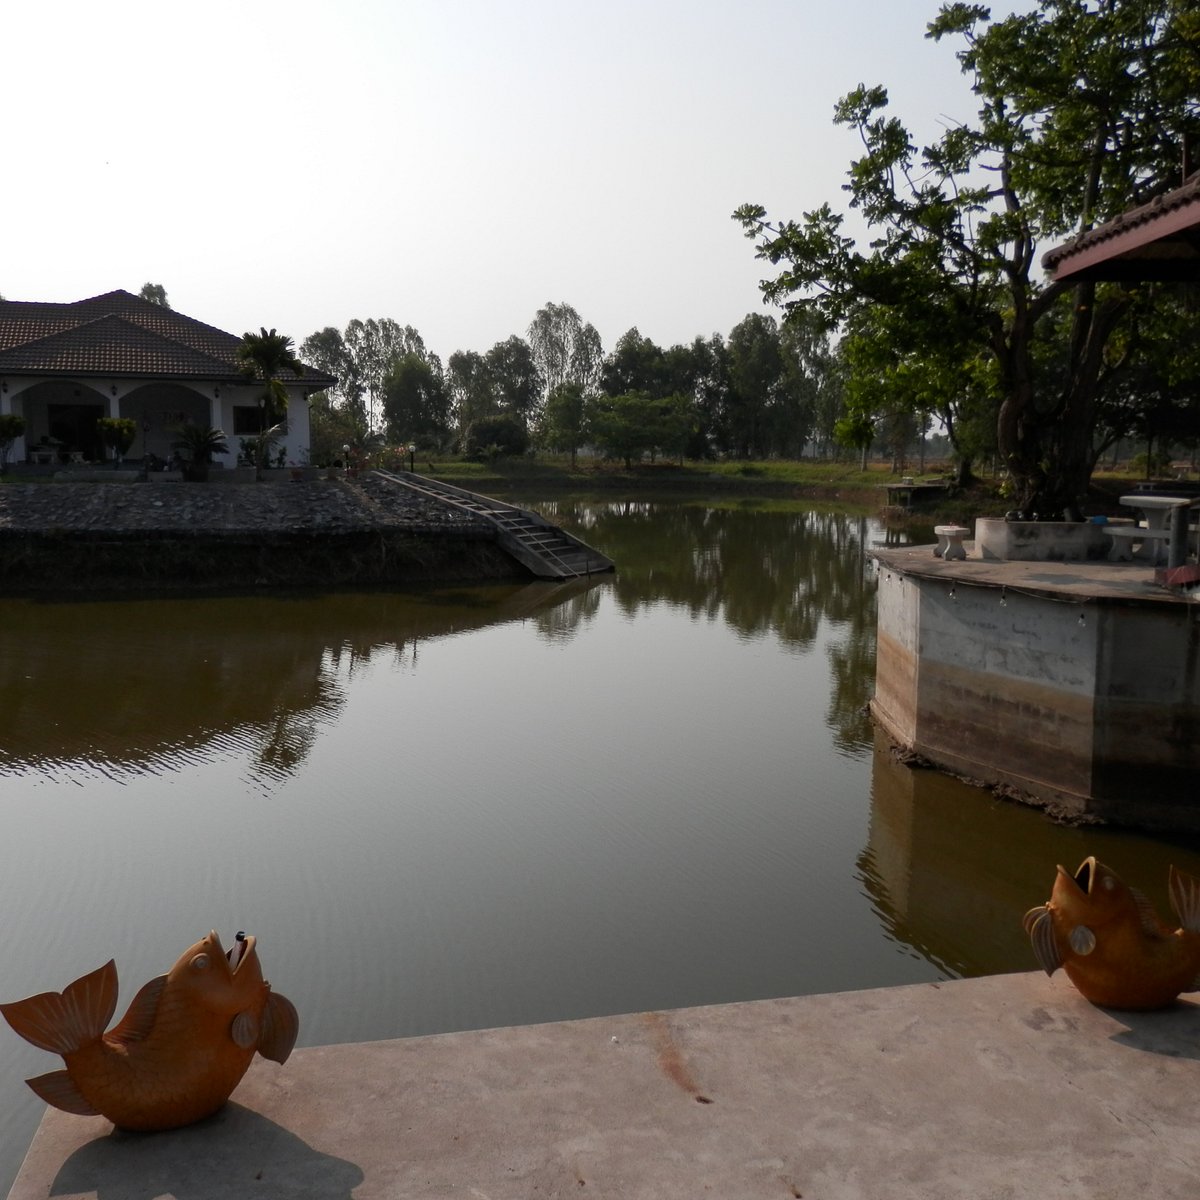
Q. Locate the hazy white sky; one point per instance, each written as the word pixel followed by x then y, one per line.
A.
pixel 452 164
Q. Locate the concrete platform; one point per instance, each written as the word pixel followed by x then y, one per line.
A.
pixel 1006 1087
pixel 1128 583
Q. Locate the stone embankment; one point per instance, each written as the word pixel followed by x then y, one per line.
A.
pixel 324 533
pixel 197 508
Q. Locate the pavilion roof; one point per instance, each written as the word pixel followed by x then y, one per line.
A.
pixel 1156 241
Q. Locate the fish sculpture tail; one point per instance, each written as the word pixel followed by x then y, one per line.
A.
pixel 1185 898
pixel 63 1022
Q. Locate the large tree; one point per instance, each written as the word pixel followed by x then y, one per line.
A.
pixel 375 346
pixel 471 395
pixel 756 371
pixel 565 349
pixel 1085 109
pixel 416 407
pixel 516 384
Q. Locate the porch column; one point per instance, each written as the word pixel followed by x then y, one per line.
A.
pixel 8 406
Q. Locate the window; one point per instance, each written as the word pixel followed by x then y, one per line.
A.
pixel 248 421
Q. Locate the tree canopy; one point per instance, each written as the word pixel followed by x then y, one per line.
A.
pixel 1085 109
pixel 155 293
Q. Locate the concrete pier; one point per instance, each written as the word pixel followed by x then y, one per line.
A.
pixel 1073 684
pixel 1005 1087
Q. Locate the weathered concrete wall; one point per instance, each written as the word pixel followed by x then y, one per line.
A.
pixel 1090 707
pixel 1039 541
pixel 896 656
pixel 1148 714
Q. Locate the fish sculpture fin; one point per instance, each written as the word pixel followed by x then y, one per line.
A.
pixel 1185 898
pixel 1040 927
pixel 245 1030
pixel 1030 918
pixel 137 1023
pixel 1151 925
pixel 59 1091
pixel 62 1022
pixel 280 1028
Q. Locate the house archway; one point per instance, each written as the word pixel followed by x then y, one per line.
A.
pixel 61 418
pixel 159 410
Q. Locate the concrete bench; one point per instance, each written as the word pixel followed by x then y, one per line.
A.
pixel 1123 537
pixel 949 541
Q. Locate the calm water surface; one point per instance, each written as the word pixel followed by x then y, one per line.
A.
pixel 473 807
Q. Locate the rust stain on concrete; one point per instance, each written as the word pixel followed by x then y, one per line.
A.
pixel 670 1057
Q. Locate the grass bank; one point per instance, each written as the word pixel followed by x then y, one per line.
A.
pixel 838 482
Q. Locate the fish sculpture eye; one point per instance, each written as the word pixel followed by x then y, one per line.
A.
pixel 200 962
pixel 1108 883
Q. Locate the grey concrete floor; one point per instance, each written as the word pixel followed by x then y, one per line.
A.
pixel 1006 1087
pixel 1127 582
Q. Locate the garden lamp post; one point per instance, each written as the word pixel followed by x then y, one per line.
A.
pixel 411 452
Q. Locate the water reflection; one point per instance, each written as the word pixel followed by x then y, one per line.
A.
pixel 951 869
pixel 761 568
pixel 487 806
pixel 155 685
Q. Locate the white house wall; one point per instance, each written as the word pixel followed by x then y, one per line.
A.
pixel 140 398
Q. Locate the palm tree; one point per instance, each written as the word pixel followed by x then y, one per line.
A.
pixel 264 356
pixel 199 443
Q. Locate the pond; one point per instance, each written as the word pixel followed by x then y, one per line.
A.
pixel 468 807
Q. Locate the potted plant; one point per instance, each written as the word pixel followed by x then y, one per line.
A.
pixel 117 434
pixel 12 426
pixel 198 444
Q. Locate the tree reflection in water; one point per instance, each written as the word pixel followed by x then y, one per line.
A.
pixel 150 685
pixel 762 567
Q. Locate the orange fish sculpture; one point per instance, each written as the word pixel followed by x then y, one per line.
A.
pixel 1110 941
pixel 179 1051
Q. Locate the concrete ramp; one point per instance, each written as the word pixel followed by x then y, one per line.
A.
pixel 1006 1087
pixel 546 550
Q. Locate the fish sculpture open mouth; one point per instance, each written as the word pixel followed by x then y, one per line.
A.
pixel 1110 941
pixel 1083 877
pixel 177 1054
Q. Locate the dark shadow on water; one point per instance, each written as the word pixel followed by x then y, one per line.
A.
pixel 235 1155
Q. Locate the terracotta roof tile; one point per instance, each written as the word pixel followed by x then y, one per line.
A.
pixel 118 334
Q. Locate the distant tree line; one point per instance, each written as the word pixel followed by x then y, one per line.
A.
pixel 766 390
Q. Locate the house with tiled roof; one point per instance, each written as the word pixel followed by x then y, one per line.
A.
pixel 64 366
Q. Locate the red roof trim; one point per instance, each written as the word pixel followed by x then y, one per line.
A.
pixel 1159 221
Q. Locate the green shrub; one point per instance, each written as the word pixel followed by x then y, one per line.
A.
pixel 503 435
